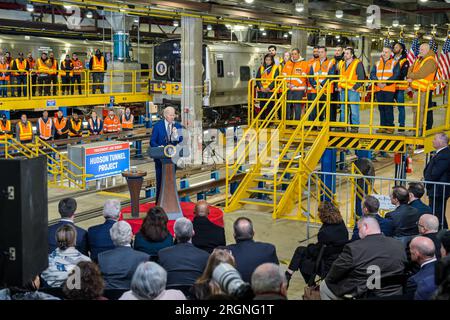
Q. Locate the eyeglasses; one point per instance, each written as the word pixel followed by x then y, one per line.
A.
pixel 419 225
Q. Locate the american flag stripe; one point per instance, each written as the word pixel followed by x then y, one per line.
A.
pixel 414 51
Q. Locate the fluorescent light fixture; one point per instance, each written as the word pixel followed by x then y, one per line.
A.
pixel 261 29
pixel 89 14
pixel 290 32
pixel 395 23
pixel 285 35
pixel 423 0
pixel 27 37
pixel 209 27
pixel 67 6
pixel 337 36
pixel 416 27
pixel 176 23
pixel 339 14
pixel 249 1
pixel 299 7
pixel 136 20
pixel 264 33
pixel 30 7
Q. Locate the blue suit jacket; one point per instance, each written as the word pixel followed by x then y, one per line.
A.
pixel 422 283
pixel 422 207
pixel 100 239
pixel 159 134
pixel 82 237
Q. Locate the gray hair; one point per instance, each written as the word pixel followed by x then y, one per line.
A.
pixel 149 280
pixel 430 222
pixel 167 109
pixel 268 277
pixel 443 137
pixel 183 229
pixel 121 233
pixel 111 209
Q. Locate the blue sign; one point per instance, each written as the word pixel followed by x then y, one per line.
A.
pixel 111 100
pixel 107 161
pixel 51 103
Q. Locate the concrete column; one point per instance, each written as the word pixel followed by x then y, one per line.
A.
pixel 299 40
pixel 191 82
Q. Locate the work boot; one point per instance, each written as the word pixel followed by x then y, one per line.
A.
pixel 390 131
pixel 354 130
pixel 381 130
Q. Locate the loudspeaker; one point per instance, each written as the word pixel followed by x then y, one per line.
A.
pixel 23 220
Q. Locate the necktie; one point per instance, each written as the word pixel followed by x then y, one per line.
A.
pixel 169 133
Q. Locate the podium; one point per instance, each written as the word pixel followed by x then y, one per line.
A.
pixel 134 181
pixel 168 194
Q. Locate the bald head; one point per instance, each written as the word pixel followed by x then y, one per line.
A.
pixel 422 249
pixel 424 49
pixel 428 224
pixel 440 140
pixel 201 209
pixel 243 229
pixel 367 226
pixel 269 278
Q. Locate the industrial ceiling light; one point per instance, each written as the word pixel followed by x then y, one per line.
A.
pixel 290 32
pixel 249 1
pixel 299 7
pixel 261 29
pixel 30 7
pixel 136 20
pixel 67 6
pixel 176 23
pixel 89 14
pixel 209 27
pixel 395 23
pixel 423 0
pixel 416 27
pixel 264 33
pixel 285 35
pixel 337 36
pixel 339 14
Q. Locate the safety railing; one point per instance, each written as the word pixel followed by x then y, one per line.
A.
pixel 32 85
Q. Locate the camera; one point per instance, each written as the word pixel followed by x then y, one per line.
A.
pixel 231 283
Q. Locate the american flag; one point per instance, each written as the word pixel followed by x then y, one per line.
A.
pixel 401 40
pixel 387 43
pixel 443 65
pixel 433 45
pixel 414 51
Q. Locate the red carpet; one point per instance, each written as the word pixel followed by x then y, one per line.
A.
pixel 215 215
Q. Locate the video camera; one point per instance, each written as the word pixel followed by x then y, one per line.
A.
pixel 231 283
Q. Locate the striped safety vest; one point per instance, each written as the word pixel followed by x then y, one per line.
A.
pixel 423 84
pixel 77 66
pixel 127 124
pixel 401 86
pixel 385 70
pixel 60 124
pixel 25 132
pixel 21 67
pixel 267 77
pixel 298 69
pixel 320 72
pixel 5 127
pixel 43 67
pixel 348 76
pixel 98 64
pixel 76 126
pixel 45 128
pixel 4 75
pixel 111 125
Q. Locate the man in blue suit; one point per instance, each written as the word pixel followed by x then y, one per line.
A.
pixel 99 236
pixel 166 132
pixel 422 285
pixel 67 208
pixel 416 191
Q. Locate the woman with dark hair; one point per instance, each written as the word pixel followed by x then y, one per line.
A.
pixel 91 284
pixel 153 235
pixel 205 287
pixel 333 234
pixel 266 73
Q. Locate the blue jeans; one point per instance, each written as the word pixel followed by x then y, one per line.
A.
pixel 353 96
pixel 400 98
pixel 3 89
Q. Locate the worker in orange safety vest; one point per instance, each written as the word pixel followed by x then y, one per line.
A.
pixel 111 124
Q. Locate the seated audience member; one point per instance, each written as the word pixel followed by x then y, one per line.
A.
pixel 348 274
pixel 269 282
pixel 30 291
pixel 118 265
pixel 428 227
pixel 98 236
pixel 91 285
pixel 444 237
pixel 153 235
pixel 248 253
pixel 149 283
pixel 404 218
pixel 370 207
pixel 207 235
pixel 416 191
pixel 64 258
pixel 333 234
pixel 206 287
pixel 421 286
pixel 67 208
pixel 183 262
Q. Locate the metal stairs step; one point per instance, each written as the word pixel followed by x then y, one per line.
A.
pixel 268 180
pixel 260 202
pixel 265 191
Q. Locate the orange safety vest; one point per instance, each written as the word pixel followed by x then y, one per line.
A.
pixel 98 65
pixel 385 70
pixel 127 124
pixel 297 69
pixel 43 67
pixel 77 66
pixel 111 125
pixel 401 86
pixel 267 77
pixel 45 128
pixel 310 63
pixel 21 67
pixel 4 75
pixel 63 70
pixel 321 71
pixel 6 127
pixel 75 127
pixel 422 84
pixel 53 67
pixel 25 133
pixel 61 124
pixel 348 75
pixel 32 63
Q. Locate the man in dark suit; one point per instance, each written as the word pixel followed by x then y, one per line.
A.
pixel 370 206
pixel 355 270
pixel 416 191
pixel 183 262
pixel 404 218
pixel 247 253
pixel 98 236
pixel 207 235
pixel 421 286
pixel 67 208
pixel 269 282
pixel 438 170
pixel 428 227
pixel 165 132
pixel 119 264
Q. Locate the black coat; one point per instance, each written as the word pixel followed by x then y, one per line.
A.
pixel 422 207
pixel 438 170
pixel 249 254
pixel 334 236
pixel 349 273
pixel 404 220
pixel 208 235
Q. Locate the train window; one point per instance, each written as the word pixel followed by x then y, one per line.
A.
pixel 220 72
pixel 245 73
